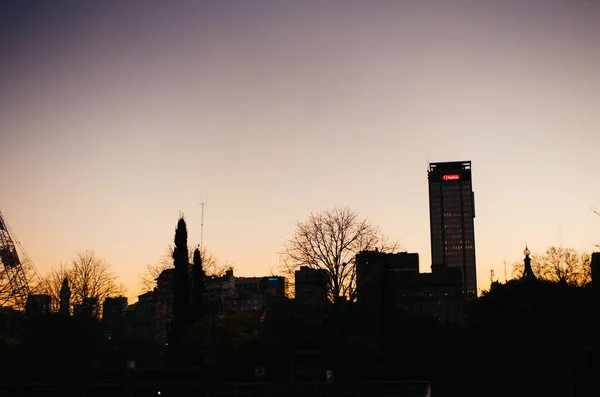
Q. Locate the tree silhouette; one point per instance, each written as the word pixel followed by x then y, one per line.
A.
pixel 559 264
pixel 52 284
pixel 198 288
pixel 210 263
pixel 181 292
pixel 65 297
pixel 89 277
pixel 330 240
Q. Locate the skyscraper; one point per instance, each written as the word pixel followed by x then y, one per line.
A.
pixel 451 214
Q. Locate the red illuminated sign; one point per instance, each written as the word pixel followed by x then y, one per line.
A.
pixel 451 177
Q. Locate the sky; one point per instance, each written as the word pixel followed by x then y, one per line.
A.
pixel 117 116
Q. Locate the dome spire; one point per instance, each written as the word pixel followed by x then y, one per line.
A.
pixel 527 270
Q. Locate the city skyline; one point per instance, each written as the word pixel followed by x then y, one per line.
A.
pixel 116 117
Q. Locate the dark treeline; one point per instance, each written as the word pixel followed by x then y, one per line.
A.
pixel 521 338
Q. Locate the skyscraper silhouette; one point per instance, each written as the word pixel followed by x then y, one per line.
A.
pixel 451 214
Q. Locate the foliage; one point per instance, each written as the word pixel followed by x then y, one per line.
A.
pixel 222 333
pixel 181 294
pixel 57 347
pixel 89 277
pixel 216 340
pixel 198 286
pixel 541 315
pixel 52 284
pixel 330 240
pixel 559 264
pixel 210 264
pixel 181 284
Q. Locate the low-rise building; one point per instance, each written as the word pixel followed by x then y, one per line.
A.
pixel 113 313
pixel 151 315
pixel 387 282
pixel 311 286
pixel 38 304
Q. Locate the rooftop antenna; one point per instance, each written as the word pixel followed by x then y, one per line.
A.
pixel 202 204
pixel 203 201
pixel 560 234
pixel 505 279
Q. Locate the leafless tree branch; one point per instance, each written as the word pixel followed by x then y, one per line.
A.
pixel 330 240
pixel 52 283
pixel 559 264
pixel 210 263
pixel 89 277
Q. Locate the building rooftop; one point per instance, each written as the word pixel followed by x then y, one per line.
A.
pixel 452 165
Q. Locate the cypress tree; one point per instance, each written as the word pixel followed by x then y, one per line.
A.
pixel 181 293
pixel 198 291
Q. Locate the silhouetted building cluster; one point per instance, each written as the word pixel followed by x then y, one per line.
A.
pixel 391 282
pixel 150 316
pixel 142 320
pixel 38 304
pixel 89 308
pixel 113 313
pixel 311 286
pixel 220 293
pixel 254 293
pixel 399 323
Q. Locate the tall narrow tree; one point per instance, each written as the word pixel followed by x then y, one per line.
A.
pixel 181 293
pixel 198 289
pixel 65 298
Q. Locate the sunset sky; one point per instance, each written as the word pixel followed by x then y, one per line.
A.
pixel 117 115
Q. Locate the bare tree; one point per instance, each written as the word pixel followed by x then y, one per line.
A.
pixel 559 264
pixel 330 240
pixel 289 287
pixel 52 283
pixel 89 277
pixel 153 270
pixel 210 264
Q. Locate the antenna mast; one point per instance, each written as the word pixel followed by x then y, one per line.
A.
pixel 202 203
pixel 560 234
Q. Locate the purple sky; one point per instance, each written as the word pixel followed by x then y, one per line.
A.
pixel 115 116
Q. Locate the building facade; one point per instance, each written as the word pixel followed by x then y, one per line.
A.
pixel 311 286
pixel 38 304
pixel 253 293
pixel 452 214
pixel 151 315
pixel 113 311
pixel 388 282
pixel 89 308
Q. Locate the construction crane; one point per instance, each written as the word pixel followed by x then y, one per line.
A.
pixel 18 276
